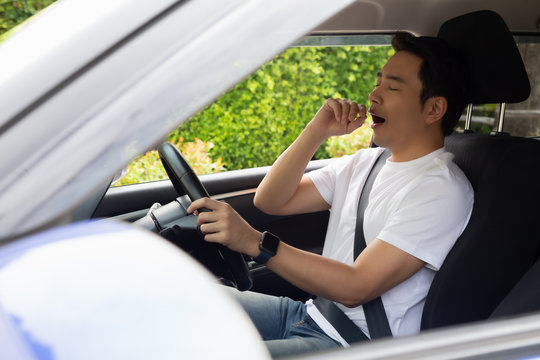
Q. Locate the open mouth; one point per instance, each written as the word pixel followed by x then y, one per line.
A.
pixel 377 119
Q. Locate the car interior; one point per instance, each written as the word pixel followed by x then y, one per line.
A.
pixel 492 270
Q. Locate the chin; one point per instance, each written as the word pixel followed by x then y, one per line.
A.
pixel 381 141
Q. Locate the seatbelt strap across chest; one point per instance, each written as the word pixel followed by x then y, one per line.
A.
pixel 376 318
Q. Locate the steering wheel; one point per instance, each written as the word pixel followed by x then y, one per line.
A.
pixel 185 181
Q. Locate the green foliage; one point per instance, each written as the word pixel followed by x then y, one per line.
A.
pixel 255 122
pixel 148 167
pixel 196 154
pixel 13 13
pixel 144 168
pixel 487 110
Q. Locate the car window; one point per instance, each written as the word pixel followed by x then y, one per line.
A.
pixel 253 123
pixel 520 119
pixel 523 119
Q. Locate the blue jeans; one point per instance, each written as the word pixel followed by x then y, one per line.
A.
pixel 284 324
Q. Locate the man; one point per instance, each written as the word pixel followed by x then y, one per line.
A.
pixel 419 205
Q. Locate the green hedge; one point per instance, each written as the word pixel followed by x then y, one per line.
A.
pixel 252 124
pixel 13 13
pixel 148 167
pixel 255 122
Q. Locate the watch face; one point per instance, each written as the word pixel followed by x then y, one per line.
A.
pixel 269 243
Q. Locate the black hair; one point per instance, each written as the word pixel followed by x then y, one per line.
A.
pixel 442 73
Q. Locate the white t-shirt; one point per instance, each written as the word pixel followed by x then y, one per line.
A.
pixel 420 206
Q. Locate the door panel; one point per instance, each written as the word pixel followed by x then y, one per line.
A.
pixel 305 231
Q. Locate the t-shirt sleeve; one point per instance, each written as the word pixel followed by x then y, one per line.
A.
pixel 428 221
pixel 324 178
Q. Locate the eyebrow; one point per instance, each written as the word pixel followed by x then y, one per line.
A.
pixel 391 77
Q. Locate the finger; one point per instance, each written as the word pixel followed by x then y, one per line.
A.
pixel 345 109
pixel 195 205
pixel 336 108
pixel 207 217
pixel 361 114
pixel 354 110
pixel 215 238
pixel 209 228
pixel 203 203
pixel 363 110
pixel 353 125
pixel 358 122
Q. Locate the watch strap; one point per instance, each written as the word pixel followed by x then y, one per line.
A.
pixel 268 246
pixel 262 258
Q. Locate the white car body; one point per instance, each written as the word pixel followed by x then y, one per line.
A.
pixel 92 84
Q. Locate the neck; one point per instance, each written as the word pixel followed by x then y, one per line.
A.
pixel 401 154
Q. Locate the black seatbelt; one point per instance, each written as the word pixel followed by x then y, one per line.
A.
pixel 376 318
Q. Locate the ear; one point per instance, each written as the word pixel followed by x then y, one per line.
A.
pixel 435 108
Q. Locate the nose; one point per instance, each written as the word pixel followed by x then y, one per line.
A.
pixel 374 97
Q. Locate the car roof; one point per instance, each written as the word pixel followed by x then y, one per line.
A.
pixel 424 17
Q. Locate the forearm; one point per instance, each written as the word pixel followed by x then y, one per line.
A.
pixel 310 272
pixel 380 267
pixel 283 179
pixel 282 191
pixel 322 276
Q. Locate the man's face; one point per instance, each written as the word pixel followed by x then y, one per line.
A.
pixel 398 117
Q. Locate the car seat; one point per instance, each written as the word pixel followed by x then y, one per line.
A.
pixel 500 242
pixel 524 297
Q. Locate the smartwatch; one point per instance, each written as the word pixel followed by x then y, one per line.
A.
pixel 268 246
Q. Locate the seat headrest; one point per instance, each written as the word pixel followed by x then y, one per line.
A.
pixel 496 71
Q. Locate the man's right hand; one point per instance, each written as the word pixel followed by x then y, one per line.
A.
pixel 337 117
pixel 285 189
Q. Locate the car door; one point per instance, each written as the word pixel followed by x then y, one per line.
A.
pixel 237 188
